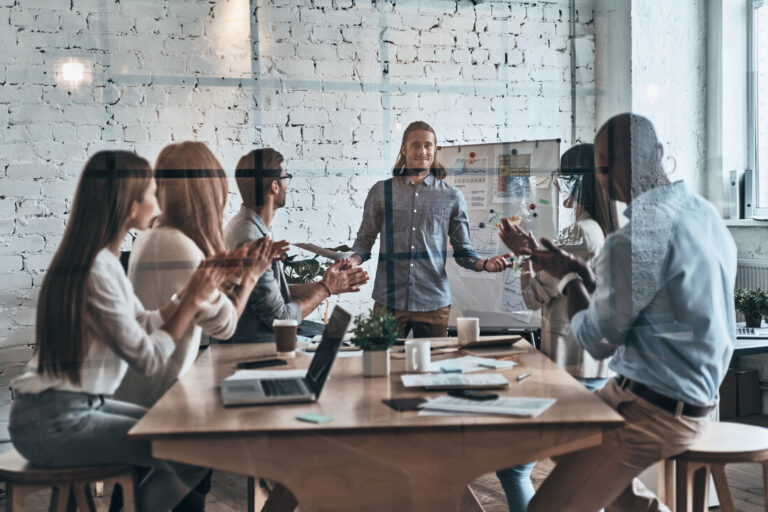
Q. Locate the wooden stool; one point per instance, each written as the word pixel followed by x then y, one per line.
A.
pixel 21 478
pixel 723 443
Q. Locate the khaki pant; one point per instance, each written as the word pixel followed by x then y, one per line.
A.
pixel 425 324
pixel 604 476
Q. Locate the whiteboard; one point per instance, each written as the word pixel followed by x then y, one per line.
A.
pixel 499 180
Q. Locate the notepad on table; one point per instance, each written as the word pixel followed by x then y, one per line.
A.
pixel 507 405
pixel 454 380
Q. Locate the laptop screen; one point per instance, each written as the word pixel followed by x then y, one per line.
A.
pixel 326 353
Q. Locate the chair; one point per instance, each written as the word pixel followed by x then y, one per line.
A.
pixel 21 478
pixel 723 443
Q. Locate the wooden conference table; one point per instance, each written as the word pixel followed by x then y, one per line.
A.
pixel 369 457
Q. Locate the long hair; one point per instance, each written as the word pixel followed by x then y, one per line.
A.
pixel 255 172
pixel 577 165
pixel 192 192
pixel 109 184
pixel 437 169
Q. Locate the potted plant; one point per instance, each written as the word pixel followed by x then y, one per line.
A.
pixel 753 304
pixel 375 334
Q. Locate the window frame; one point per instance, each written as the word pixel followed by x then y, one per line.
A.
pixel 753 135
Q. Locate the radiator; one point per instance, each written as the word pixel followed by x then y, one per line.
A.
pixel 751 274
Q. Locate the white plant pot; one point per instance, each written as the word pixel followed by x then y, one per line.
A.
pixel 375 363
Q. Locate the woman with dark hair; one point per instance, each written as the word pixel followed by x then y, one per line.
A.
pixel 595 218
pixel 91 327
pixel 417 213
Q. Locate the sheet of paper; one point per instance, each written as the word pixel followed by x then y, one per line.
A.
pixel 475 189
pixel 470 364
pixel 507 405
pixel 485 241
pixel 266 374
pixel 513 178
pixel 414 380
pixel 333 255
pixel 512 297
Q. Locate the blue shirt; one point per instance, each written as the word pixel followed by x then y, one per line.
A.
pixel 664 306
pixel 424 218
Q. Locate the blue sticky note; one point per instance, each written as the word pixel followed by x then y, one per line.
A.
pixel 314 417
pixel 450 369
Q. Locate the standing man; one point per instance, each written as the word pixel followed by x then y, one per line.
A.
pixel 263 185
pixel 417 213
pixel 661 307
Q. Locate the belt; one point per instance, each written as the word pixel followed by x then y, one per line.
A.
pixel 668 404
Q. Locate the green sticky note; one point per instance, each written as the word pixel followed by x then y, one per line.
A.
pixel 450 369
pixel 543 201
pixel 314 417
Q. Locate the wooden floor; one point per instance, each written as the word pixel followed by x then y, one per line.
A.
pixel 229 490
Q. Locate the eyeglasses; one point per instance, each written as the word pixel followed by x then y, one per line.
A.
pixel 287 178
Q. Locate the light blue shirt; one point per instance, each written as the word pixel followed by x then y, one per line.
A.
pixel 664 306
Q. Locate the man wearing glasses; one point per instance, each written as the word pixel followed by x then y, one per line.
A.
pixel 263 185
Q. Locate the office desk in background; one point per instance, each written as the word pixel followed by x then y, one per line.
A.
pixel 369 457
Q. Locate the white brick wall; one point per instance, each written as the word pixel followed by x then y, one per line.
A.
pixel 158 72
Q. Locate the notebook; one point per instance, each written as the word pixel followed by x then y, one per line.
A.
pixel 291 388
pixel 512 405
pixel 451 380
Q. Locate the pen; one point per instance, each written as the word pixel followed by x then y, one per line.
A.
pixel 523 375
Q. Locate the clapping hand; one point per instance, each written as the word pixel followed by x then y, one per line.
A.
pixel 343 277
pixel 516 239
pixel 558 262
pixel 209 276
pixel 260 254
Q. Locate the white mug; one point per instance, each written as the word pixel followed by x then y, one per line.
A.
pixel 469 329
pixel 417 356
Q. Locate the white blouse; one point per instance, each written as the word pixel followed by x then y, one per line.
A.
pixel 162 259
pixel 584 239
pixel 122 334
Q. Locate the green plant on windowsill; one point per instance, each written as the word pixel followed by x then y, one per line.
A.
pixel 753 304
pixel 376 332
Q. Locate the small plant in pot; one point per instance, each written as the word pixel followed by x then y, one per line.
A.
pixel 375 334
pixel 753 304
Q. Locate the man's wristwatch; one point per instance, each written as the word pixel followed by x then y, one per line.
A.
pixel 484 265
pixel 175 299
pixel 567 278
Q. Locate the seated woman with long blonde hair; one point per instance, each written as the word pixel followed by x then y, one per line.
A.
pixel 192 193
pixel 91 327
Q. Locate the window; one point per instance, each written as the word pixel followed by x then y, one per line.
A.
pixel 758 102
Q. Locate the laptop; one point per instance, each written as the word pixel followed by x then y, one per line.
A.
pixel 292 389
pixel 752 333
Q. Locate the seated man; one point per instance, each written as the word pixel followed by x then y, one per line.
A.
pixel 263 184
pixel 662 309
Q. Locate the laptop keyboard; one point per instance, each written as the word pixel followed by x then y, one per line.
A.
pixel 282 387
